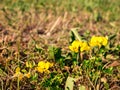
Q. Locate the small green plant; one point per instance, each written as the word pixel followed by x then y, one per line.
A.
pixel 85 59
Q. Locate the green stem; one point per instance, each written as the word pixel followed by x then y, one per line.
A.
pixel 18 84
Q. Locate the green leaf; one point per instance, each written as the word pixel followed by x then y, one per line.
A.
pixel 69 83
pixel 54 53
pixel 74 30
pixel 81 87
pixel 72 37
pixel 51 52
pixel 112 36
pixel 108 70
pixel 118 47
pixel 35 77
pixel 97 16
pixel 38 48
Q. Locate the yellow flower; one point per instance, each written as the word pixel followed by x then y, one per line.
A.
pixel 44 66
pixel 105 41
pixel 84 47
pixel 98 41
pixel 18 73
pixel 17 70
pixel 20 76
pixel 47 65
pixel 41 64
pixel 27 75
pixel 76 45
pixel 41 70
pixel 94 41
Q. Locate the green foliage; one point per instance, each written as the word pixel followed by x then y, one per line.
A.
pixel 108 70
pixel 38 49
pixel 82 87
pixel 54 53
pixel 54 81
pixel 69 83
pixel 34 77
pixel 72 37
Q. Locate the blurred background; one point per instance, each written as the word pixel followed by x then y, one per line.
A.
pixel 53 19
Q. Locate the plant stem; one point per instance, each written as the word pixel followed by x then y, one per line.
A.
pixel 78 57
pixel 81 56
pixel 18 84
pixel 1 85
pixel 90 82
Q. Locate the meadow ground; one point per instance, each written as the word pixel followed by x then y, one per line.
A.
pixel 32 31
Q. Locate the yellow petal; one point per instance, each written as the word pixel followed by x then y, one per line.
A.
pixel 27 65
pixel 41 70
pixel 47 65
pixel 75 46
pixel 17 70
pixel 41 64
pixel 98 41
pixel 51 64
pixel 84 47
pixel 20 76
pixel 27 75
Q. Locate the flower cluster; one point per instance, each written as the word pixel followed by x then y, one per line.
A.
pixel 44 66
pixel 77 46
pixel 98 41
pixel 20 75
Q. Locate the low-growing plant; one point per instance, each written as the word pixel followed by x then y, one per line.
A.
pixel 86 58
